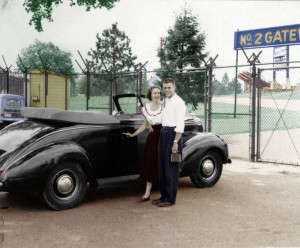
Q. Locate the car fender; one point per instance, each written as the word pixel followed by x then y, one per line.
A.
pixel 196 146
pixel 30 171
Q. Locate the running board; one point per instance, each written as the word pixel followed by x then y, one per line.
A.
pixel 115 181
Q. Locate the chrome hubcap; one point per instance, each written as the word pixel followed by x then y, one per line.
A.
pixel 208 167
pixel 65 184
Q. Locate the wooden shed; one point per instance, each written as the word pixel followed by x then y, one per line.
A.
pixel 49 89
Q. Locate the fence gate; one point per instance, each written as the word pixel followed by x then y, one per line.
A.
pixel 278 132
pixel 230 112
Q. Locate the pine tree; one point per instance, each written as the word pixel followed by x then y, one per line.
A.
pixel 112 54
pixel 183 47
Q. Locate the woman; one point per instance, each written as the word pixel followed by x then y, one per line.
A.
pixel 152 113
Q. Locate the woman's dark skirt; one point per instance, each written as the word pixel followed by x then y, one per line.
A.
pixel 149 170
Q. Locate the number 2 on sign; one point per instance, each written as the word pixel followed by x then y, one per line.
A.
pixel 257 41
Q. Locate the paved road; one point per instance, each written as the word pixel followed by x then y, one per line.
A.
pixel 253 205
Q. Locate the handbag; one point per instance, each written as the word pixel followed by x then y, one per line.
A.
pixel 175 157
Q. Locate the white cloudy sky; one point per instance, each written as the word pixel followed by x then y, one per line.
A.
pixel 145 21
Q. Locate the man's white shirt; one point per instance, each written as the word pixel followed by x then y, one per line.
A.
pixel 174 113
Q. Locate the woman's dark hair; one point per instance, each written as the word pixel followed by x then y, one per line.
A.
pixel 149 93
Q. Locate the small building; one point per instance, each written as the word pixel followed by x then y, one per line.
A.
pixel 49 89
pixel 246 77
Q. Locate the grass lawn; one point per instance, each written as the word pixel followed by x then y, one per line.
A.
pixel 223 120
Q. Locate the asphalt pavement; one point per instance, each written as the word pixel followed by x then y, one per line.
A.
pixel 253 205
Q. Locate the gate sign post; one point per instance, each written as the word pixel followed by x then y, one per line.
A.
pixel 267 37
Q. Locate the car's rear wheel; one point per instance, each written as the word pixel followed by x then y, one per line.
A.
pixel 65 186
pixel 210 170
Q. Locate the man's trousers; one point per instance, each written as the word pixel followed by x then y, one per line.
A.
pixel 168 172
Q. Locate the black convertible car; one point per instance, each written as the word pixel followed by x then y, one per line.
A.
pixel 58 152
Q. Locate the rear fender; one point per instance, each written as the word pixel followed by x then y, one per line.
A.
pixel 194 148
pixel 32 169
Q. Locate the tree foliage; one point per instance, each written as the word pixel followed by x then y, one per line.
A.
pixel 46 55
pixel 112 55
pixel 183 47
pixel 42 9
pixel 226 87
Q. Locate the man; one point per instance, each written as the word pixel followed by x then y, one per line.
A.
pixel 170 141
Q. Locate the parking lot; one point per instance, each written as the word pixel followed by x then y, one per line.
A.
pixel 253 205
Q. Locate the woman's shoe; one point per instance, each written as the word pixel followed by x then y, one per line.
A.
pixel 143 199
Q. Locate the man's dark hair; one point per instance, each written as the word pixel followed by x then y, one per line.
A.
pixel 169 80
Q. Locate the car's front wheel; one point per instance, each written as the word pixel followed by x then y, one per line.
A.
pixel 65 186
pixel 210 170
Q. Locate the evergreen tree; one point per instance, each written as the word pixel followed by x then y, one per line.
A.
pixel 217 87
pixel 45 54
pixel 112 54
pixel 42 9
pixel 225 83
pixel 183 47
pixel 231 87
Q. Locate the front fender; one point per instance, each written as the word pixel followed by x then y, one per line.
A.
pixel 195 147
pixel 30 171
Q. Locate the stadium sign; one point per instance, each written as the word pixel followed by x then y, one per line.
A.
pixel 267 37
pixel 280 57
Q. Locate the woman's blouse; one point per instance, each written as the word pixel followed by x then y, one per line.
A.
pixel 153 117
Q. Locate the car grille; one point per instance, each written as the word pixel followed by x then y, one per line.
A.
pixel 12 113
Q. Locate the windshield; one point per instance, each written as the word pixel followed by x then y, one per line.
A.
pixel 128 104
pixel 17 133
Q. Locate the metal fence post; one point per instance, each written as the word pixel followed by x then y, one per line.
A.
pixel 26 89
pixel 46 87
pixel 111 107
pixel 258 116
pixel 253 104
pixel 209 67
pixel 209 102
pixel 88 83
pixel 205 101
pixel 252 61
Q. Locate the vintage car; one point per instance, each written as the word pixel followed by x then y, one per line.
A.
pixel 59 152
pixel 10 109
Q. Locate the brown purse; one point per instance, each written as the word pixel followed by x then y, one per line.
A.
pixel 175 157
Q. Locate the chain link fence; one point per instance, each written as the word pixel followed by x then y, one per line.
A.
pixel 231 110
pixel 279 125
pixel 14 83
pixel 278 120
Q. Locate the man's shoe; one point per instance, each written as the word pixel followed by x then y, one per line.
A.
pixel 164 204
pixel 143 199
pixel 156 201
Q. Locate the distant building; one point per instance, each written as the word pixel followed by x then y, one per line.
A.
pixel 57 89
pixel 246 77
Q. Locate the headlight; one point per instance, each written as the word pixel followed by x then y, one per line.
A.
pixel 7 114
